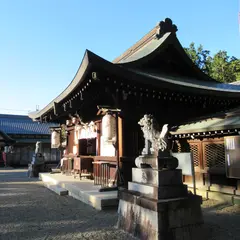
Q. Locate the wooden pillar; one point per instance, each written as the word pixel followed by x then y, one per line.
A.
pixel 99 130
pixel 207 181
pixel 70 141
pixel 120 136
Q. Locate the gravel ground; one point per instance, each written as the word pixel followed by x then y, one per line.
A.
pixel 28 210
pixel 222 220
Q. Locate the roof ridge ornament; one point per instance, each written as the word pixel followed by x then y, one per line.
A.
pixel 165 27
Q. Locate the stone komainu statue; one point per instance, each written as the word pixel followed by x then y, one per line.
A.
pixel 152 134
pixel 38 149
pixel 156 145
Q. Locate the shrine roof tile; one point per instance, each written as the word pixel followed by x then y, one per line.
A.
pixel 215 122
pixel 20 124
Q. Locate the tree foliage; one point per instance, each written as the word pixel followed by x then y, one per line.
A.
pixel 221 67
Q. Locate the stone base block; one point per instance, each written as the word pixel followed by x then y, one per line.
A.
pixel 158 205
pixel 237 192
pixel 150 160
pixel 157 177
pixel 161 192
pixel 171 220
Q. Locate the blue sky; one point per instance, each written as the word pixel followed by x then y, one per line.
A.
pixel 43 41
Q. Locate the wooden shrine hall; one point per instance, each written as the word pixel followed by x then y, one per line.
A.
pixel 154 76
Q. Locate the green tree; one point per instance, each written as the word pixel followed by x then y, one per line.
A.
pixel 235 66
pixel 221 67
pixel 200 57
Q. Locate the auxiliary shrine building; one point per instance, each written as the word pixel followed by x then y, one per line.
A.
pixel 102 105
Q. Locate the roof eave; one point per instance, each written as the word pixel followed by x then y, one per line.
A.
pixel 78 78
pixel 6 138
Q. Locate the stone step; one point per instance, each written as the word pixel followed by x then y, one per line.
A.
pixel 47 178
pixel 161 192
pixel 98 200
pixel 56 170
pixel 83 190
pixel 57 189
pixel 157 177
pixel 223 197
pixel 222 189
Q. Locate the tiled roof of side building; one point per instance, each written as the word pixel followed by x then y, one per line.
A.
pixel 235 83
pixel 20 124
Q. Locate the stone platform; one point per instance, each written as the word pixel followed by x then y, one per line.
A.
pixel 177 218
pixel 158 184
pixel 157 205
pixel 83 190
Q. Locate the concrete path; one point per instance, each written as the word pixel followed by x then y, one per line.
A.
pixel 28 210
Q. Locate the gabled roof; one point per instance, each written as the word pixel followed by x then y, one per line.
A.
pixel 158 60
pixel 19 124
pixel 160 50
pixel 138 45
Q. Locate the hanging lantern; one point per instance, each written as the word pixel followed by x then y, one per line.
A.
pixel 108 127
pixel 78 128
pixel 91 126
pixel 55 139
pixel 83 132
pixel 92 130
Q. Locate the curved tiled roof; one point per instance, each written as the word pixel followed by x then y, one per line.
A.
pixel 158 62
pixel 215 122
pixel 235 83
pixel 19 124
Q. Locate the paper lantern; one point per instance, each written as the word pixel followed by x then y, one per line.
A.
pixel 108 127
pixel 55 139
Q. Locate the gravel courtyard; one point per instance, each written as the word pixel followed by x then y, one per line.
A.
pixel 28 210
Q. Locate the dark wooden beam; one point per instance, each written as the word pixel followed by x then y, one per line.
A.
pixel 55 108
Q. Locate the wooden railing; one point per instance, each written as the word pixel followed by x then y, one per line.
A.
pixel 104 173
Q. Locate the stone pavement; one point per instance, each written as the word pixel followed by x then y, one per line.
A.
pixel 28 210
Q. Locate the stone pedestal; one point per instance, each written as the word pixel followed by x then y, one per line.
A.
pixel 37 165
pixel 157 205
